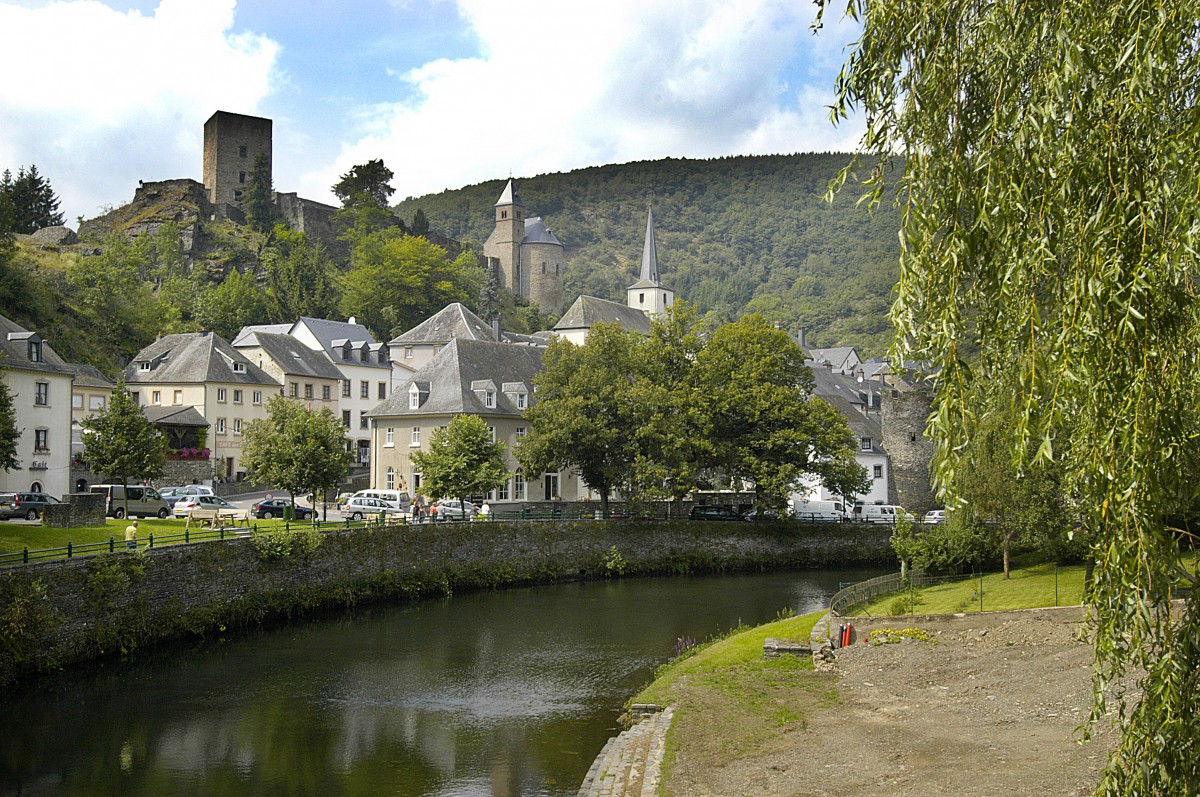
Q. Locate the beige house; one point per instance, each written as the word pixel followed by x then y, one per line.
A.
pixel 202 370
pixel 306 375
pixel 487 378
pixel 40 384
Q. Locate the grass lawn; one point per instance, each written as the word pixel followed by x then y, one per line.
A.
pixel 1029 587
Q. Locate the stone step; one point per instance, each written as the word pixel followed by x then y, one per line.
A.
pixel 630 763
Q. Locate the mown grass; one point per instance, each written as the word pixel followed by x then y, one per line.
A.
pixel 1028 588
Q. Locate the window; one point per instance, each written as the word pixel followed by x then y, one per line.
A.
pixel 241 177
pixel 242 151
pixel 865 443
pixel 520 433
pixel 518 486
pixel 382 391
pixel 293 389
pixel 502 492
pixel 220 426
pixel 362 420
pixel 346 418
pixel 878 471
pixel 257 396
pixel 239 368
pixel 345 388
pixel 95 403
pixel 551 484
pixel 308 390
pixel 492 433
pixel 136 396
pixel 415 438
pixel 389 480
pixel 414 397
pixel 35 351
pixel 41 440
pixel 237 397
pixel 522 401
pixel 408 352
pixel 156 397
pixel 144 366
pixel 178 398
pixel 489 399
pixel 221 393
pixel 416 481
pixel 42 395
pixel 326 393
pixel 76 401
pixel 641 298
pixel 237 425
pixel 389 437
pixel 364 389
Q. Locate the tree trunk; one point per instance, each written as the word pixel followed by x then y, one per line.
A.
pixel 604 502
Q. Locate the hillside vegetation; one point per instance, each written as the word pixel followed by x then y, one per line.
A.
pixel 735 235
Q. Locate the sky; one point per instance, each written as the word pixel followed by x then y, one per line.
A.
pixel 100 94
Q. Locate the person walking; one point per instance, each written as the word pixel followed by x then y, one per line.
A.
pixel 485 511
pixel 433 511
pixel 131 535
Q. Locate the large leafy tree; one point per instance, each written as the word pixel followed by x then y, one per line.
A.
pixel 1051 217
pixel 365 191
pixel 10 435
pixel 259 200
pixel 585 414
pixel 296 448
pixel 397 280
pixel 462 460
pixel 301 278
pixel 32 201
pixel 758 419
pixel 119 442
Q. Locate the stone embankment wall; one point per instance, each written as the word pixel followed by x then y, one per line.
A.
pixel 67 611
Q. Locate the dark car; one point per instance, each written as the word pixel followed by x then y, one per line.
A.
pixel 24 505
pixel 270 508
pixel 714 513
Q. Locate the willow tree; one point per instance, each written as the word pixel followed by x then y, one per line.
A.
pixel 1045 158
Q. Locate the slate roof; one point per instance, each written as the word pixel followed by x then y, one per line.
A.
pixel 536 232
pixel 828 384
pixel 14 350
pixel 587 311
pixel 90 376
pixel 247 335
pixel 293 356
pixel 174 416
pixel 837 355
pixel 328 333
pixel 193 357
pixel 449 376
pixel 509 196
pixel 452 321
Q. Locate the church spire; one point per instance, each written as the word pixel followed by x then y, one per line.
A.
pixel 649 250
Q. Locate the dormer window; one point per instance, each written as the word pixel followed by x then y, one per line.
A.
pixel 489 399
pixel 522 401
pixel 865 443
pixel 143 366
pixel 35 351
pixel 239 368
pixel 414 398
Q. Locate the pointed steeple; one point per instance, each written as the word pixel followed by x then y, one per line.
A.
pixel 509 196
pixel 649 250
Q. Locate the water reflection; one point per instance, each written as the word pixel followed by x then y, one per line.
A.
pixel 501 693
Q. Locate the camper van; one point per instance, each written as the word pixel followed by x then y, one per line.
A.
pixel 819 511
pixel 881 513
pixel 141 501
pixel 396 499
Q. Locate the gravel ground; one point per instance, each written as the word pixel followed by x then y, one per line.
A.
pixel 991 708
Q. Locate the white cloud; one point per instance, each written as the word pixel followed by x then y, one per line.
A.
pixel 560 86
pixel 103 95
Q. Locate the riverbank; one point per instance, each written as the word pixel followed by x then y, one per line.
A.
pixel 61 613
pixel 981 704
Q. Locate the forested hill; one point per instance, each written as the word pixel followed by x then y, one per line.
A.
pixel 735 235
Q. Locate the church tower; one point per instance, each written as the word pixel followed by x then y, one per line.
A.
pixel 648 294
pixel 503 246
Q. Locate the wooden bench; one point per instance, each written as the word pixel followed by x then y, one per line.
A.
pixel 203 517
pixel 234 517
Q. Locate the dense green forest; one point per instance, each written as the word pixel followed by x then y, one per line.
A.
pixel 735 235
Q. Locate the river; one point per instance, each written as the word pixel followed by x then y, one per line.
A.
pixel 500 693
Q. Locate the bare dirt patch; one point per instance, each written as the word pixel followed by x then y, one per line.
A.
pixel 991 707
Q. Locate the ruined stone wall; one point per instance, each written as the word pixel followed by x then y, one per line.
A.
pixel 231 143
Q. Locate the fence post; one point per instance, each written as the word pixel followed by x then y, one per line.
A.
pixel 151 545
pixel 110 544
pixel 25 555
pixel 187 536
pixel 981 589
pixel 68 549
pixel 1056 585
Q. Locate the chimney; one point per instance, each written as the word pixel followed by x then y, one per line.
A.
pixel 496 327
pixel 802 334
pixel 351 320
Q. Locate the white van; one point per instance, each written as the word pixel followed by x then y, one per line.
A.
pixel 141 501
pixel 396 499
pixel 819 511
pixel 881 513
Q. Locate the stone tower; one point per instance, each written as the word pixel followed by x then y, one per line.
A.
pixel 527 258
pixel 903 416
pixel 231 143
pixel 648 294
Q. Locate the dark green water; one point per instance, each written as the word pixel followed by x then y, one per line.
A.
pixel 499 693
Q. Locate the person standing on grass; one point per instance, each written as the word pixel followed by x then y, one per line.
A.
pixel 131 534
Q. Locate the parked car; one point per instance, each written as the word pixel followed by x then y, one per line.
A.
pixel 934 517
pixel 24 505
pixel 714 513
pixel 135 499
pixel 190 502
pixel 453 509
pixel 361 506
pixel 277 507
pixel 882 513
pixel 173 494
pixel 396 499
pixel 765 514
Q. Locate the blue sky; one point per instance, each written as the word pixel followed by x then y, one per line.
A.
pixel 448 92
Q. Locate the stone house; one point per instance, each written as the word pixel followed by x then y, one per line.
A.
pixel 488 378
pixel 40 383
pixel 202 370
